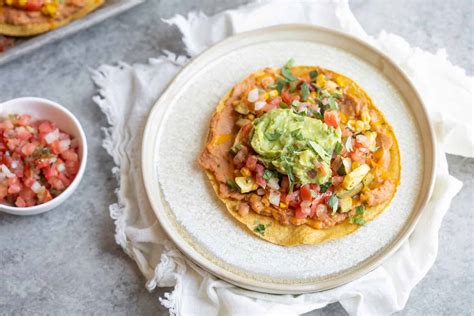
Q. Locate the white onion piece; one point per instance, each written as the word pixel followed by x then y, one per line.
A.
pixel 253 95
pixel 61 167
pixel 274 197
pixel 36 187
pixel 361 139
pixel 273 184
pixel 52 136
pixel 259 105
pixel 64 144
pixel 6 172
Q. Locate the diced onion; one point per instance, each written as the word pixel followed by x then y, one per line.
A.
pixel 61 167
pixel 36 187
pixel 6 172
pixel 274 197
pixel 259 105
pixel 253 95
pixel 52 136
pixel 273 184
pixel 361 139
pixel 64 144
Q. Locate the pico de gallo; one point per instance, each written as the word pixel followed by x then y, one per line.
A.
pixel 305 148
pixel 38 161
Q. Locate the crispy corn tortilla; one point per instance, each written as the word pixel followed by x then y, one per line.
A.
pixel 292 235
pixel 38 28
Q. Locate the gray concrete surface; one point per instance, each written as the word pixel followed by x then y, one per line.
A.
pixel 66 261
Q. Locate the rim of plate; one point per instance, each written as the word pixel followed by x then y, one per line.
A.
pixel 423 123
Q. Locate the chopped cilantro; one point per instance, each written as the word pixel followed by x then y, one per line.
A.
pixel 295 103
pixel 280 84
pixel 260 228
pixel 325 186
pixel 297 134
pixel 273 136
pixel 267 174
pixel 291 177
pixel 290 63
pixel 332 103
pixel 358 218
pixel 338 148
pixel 304 91
pixel 333 202
pixel 313 74
pixel 232 185
pixel 285 71
pixel 348 144
pixel 293 86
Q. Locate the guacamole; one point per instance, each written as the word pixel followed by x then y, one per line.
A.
pixel 296 145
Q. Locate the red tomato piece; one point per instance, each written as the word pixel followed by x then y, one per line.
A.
pixel 331 118
pixel 305 193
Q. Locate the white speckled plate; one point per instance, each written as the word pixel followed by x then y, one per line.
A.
pixel 197 221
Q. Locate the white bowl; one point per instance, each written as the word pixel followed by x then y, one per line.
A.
pixel 43 109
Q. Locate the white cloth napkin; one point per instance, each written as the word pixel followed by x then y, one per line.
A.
pixel 127 93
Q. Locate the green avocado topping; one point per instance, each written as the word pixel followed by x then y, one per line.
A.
pixel 294 145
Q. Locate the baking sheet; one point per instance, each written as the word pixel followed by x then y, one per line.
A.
pixel 25 46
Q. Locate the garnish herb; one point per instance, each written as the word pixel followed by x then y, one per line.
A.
pixel 348 144
pixel 297 134
pixel 358 218
pixel 295 103
pixel 283 105
pixel 324 187
pixel 338 148
pixel 280 84
pixel 333 203
pixel 313 74
pixel 273 136
pixel 305 91
pixel 285 71
pixel 260 228
pixel 293 86
pixel 291 177
pixel 267 174
pixel 232 185
pixel 332 103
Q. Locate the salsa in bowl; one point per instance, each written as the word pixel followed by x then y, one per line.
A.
pixel 43 154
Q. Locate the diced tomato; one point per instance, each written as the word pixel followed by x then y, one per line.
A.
pixel 314 187
pixel 260 181
pixel 239 158
pixel 56 183
pixel 20 202
pixel 55 147
pixel 304 210
pixel 45 127
pixel 331 118
pixel 28 149
pixel 251 163
pixel 293 199
pixel 23 134
pixel 305 193
pixel 259 169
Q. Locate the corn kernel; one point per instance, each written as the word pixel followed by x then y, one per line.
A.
pixel 339 81
pixel 283 205
pixel 245 172
pixel 266 95
pixel 321 80
pixel 273 93
pixel 313 94
pixel 343 117
pixel 359 126
pixel 365 116
pixel 22 3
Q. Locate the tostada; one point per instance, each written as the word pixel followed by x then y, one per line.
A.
pixel 301 155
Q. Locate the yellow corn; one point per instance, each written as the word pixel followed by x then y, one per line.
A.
pixel 321 80
pixel 245 172
pixel 9 2
pixel 339 81
pixel 273 93
pixel 283 205
pixel 313 94
pixel 365 116
pixel 22 2
pixel 266 95
pixel 343 117
pixel 49 9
